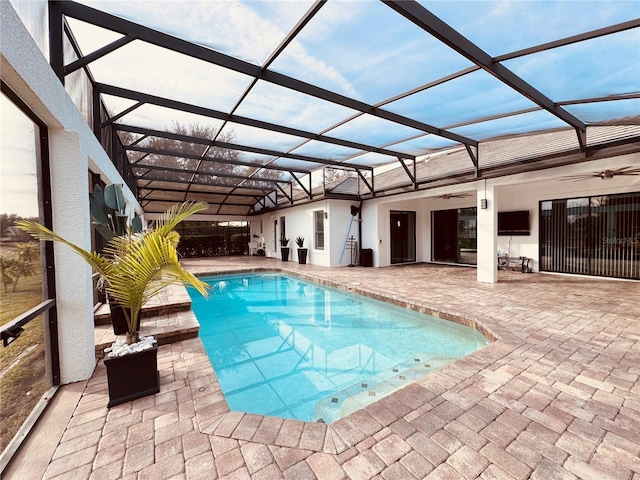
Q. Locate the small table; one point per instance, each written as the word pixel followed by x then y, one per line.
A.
pixel 522 264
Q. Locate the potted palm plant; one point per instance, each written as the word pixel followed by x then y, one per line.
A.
pixel 284 248
pixel 133 268
pixel 108 210
pixel 302 252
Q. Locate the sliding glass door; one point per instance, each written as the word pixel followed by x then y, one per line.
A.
pixel 403 237
pixel 454 236
pixel 597 235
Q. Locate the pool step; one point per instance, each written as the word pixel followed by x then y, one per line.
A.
pixel 102 314
pixel 372 389
pixel 167 316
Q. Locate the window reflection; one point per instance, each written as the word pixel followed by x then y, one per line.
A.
pixel 23 378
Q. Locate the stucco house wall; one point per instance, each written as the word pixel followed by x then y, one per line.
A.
pixel 514 192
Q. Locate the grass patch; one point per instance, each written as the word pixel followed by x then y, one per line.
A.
pixel 23 376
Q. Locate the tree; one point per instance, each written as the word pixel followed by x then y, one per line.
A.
pixel 209 166
pixel 7 269
pixel 25 255
pixel 332 174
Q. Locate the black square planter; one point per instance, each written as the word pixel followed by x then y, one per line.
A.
pixel 132 376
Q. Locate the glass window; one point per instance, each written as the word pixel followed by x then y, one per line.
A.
pixel 276 240
pixel 467 236
pixel 25 360
pixel 318 229
pixel 283 230
pixel 591 235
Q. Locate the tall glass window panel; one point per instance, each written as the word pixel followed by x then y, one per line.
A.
pixel 598 235
pixel 403 237
pixel 318 228
pixel 23 363
pixel 616 235
pixel 467 236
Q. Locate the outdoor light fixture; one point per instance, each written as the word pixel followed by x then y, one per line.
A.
pixel 483 203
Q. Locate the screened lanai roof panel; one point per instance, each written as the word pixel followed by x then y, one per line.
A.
pixel 517 124
pixel 147 173
pixel 163 195
pixel 369 159
pixel 256 158
pixel 328 151
pixel 366 51
pixel 247 30
pixel 162 118
pixel 374 131
pixel 248 135
pixel 523 147
pixel 157 206
pixel 425 144
pixel 296 165
pixel 608 133
pixel 91 37
pixel 186 164
pixel 471 97
pixel 158 184
pixel 276 104
pixel 598 112
pixel 222 86
pixel 503 27
pixel 594 68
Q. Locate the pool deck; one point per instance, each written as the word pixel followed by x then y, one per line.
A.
pixel 555 396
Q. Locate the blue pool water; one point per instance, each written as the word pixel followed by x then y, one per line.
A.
pixel 286 347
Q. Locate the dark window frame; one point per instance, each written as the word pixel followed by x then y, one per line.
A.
pixel 47 307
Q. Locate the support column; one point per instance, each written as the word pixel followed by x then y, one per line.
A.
pixel 74 291
pixel 487 271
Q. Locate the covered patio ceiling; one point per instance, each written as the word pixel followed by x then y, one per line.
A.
pixel 238 103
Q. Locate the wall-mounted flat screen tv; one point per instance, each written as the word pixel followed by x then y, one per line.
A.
pixel 513 223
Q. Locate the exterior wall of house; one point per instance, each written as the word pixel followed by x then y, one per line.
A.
pixel 299 221
pixel 514 192
pixel 509 193
pixel 74 151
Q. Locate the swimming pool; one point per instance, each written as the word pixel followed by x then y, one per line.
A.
pixel 287 347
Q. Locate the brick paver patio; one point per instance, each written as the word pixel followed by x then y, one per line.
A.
pixel 555 396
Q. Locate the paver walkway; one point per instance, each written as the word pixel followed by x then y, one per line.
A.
pixel 556 396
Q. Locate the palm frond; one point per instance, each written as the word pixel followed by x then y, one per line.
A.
pixel 136 266
pixel 98 262
pixel 176 214
pixel 148 265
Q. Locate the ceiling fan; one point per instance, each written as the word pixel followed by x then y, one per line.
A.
pixel 604 174
pixel 447 196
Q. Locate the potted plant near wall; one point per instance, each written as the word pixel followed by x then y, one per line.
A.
pixel 108 210
pixel 302 252
pixel 133 268
pixel 284 248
